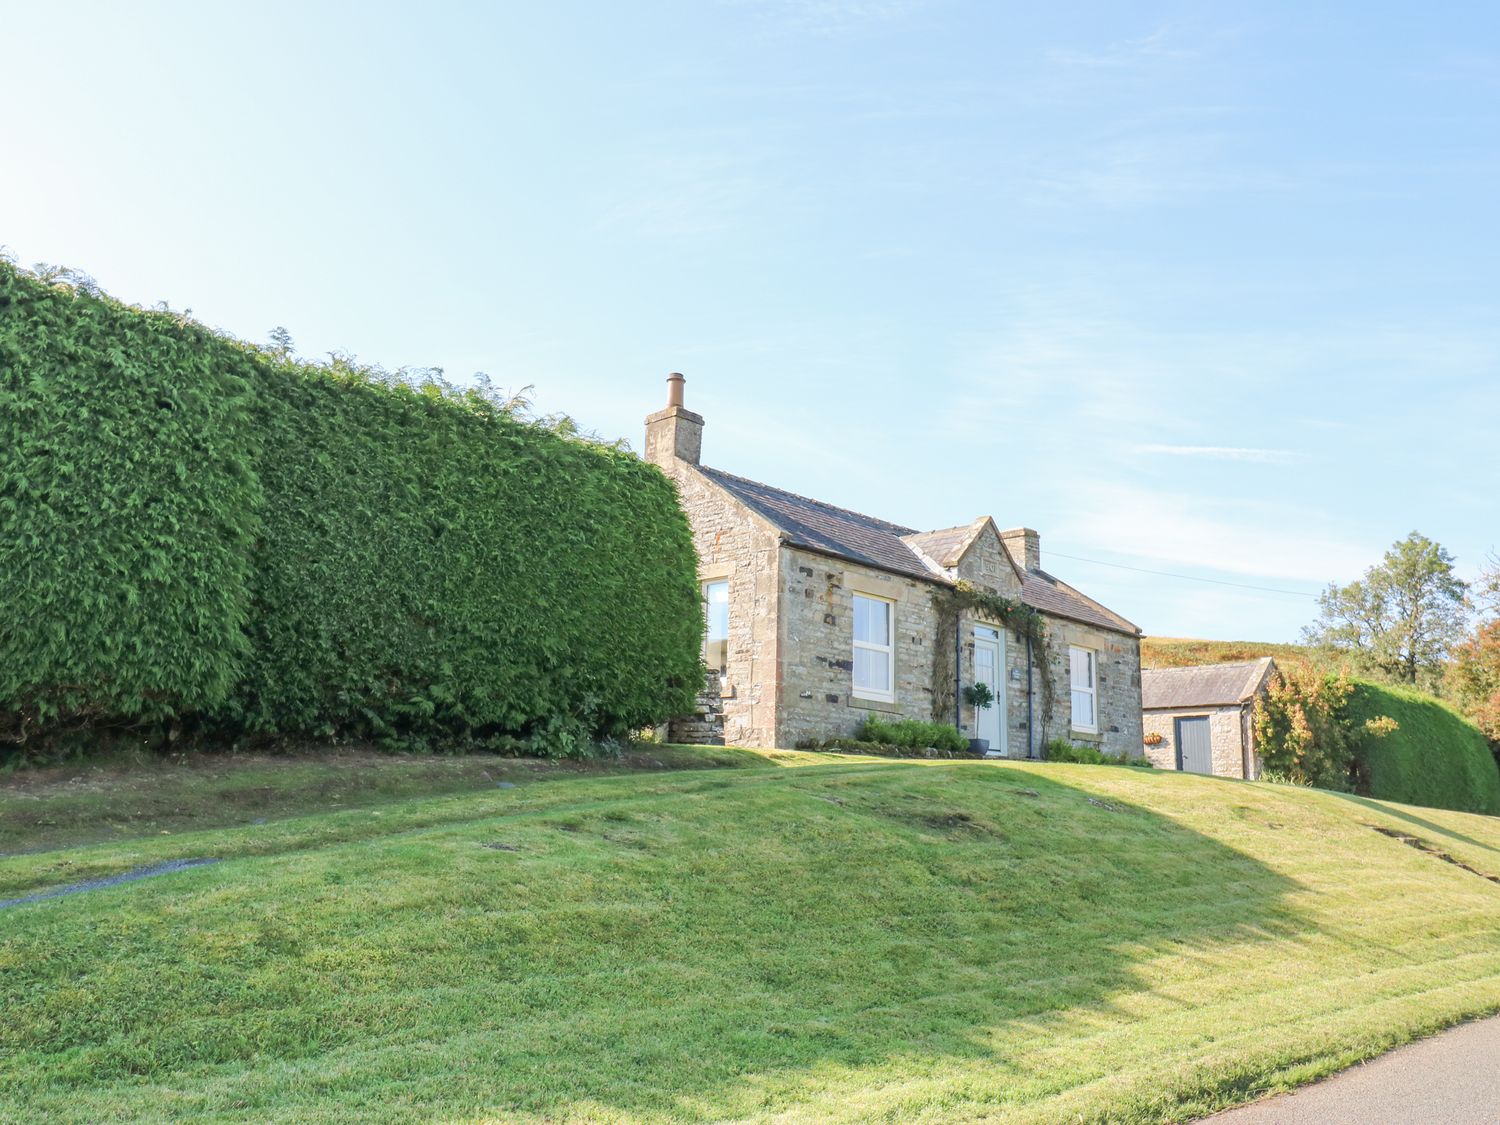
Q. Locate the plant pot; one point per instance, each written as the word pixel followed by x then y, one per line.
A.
pixel 979 747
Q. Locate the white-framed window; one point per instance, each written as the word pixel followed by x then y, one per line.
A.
pixel 1084 676
pixel 716 625
pixel 874 648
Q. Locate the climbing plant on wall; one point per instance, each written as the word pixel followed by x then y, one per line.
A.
pixel 950 604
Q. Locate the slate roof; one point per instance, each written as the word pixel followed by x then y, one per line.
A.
pixel 946 547
pixel 821 527
pixel 1042 591
pixel 1204 685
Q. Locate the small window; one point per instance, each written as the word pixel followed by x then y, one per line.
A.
pixel 1081 667
pixel 874 652
pixel 716 625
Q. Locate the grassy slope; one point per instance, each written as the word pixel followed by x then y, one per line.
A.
pixel 130 795
pixel 1402 764
pixel 853 940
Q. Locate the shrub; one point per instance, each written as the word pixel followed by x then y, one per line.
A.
pixel 1302 732
pixel 194 529
pixel 911 734
pixel 1061 750
pixel 1432 757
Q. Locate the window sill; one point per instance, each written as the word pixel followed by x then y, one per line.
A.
pixel 1086 734
pixel 864 703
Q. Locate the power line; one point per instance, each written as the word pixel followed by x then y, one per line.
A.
pixel 1187 577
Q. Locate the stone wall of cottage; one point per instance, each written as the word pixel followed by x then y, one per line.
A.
pixel 735 545
pixel 1118 687
pixel 817 646
pixel 704 725
pixel 1228 732
pixel 816 643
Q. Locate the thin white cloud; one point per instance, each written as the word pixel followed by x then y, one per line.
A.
pixel 1220 453
pixel 1261 538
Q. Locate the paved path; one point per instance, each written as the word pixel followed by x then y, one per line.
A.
pixel 1451 1079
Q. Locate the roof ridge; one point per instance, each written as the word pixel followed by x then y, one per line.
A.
pixel 901 529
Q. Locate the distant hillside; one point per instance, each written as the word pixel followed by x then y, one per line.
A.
pixel 1182 652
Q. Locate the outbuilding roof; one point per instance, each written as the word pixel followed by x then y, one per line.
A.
pixel 831 530
pixel 1203 685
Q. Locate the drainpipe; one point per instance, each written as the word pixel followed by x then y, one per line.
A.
pixel 958 673
pixel 1030 737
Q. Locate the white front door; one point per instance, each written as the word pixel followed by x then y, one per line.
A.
pixel 989 668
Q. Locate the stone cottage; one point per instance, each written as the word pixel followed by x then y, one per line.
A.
pixel 1201 719
pixel 818 617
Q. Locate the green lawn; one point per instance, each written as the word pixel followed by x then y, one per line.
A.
pixel 852 940
pixel 127 795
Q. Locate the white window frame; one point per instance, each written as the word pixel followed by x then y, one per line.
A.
pixel 873 694
pixel 1092 690
pixel 707 611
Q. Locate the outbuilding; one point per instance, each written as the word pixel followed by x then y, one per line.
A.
pixel 1202 719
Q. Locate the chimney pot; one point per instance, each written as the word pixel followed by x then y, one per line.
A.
pixel 674 434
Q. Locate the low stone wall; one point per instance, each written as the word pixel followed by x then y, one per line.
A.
pixel 705 725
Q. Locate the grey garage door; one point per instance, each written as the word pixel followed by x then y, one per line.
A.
pixel 1195 752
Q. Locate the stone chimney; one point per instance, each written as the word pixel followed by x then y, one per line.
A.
pixel 1025 546
pixel 676 433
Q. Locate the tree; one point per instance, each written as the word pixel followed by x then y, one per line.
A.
pixel 1487 588
pixel 1474 679
pixel 1402 618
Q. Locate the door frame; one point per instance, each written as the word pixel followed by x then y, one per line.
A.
pixel 1000 745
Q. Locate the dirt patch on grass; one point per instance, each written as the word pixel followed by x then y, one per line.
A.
pixel 1430 849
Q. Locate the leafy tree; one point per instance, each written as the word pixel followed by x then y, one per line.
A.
pixel 1474 679
pixel 1487 588
pixel 1402 618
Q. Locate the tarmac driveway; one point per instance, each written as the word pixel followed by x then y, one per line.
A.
pixel 1451 1079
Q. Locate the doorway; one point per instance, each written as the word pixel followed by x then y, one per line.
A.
pixel 989 669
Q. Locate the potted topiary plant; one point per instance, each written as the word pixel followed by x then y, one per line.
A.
pixel 980 697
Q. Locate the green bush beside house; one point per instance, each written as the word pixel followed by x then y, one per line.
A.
pixel 198 532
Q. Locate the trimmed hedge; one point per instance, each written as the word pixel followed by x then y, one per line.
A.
pixel 1435 757
pixel 127 510
pixel 192 528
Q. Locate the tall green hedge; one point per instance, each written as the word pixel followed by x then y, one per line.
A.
pixel 1435 757
pixel 193 528
pixel 127 509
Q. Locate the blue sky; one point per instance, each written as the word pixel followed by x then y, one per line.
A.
pixel 1208 289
